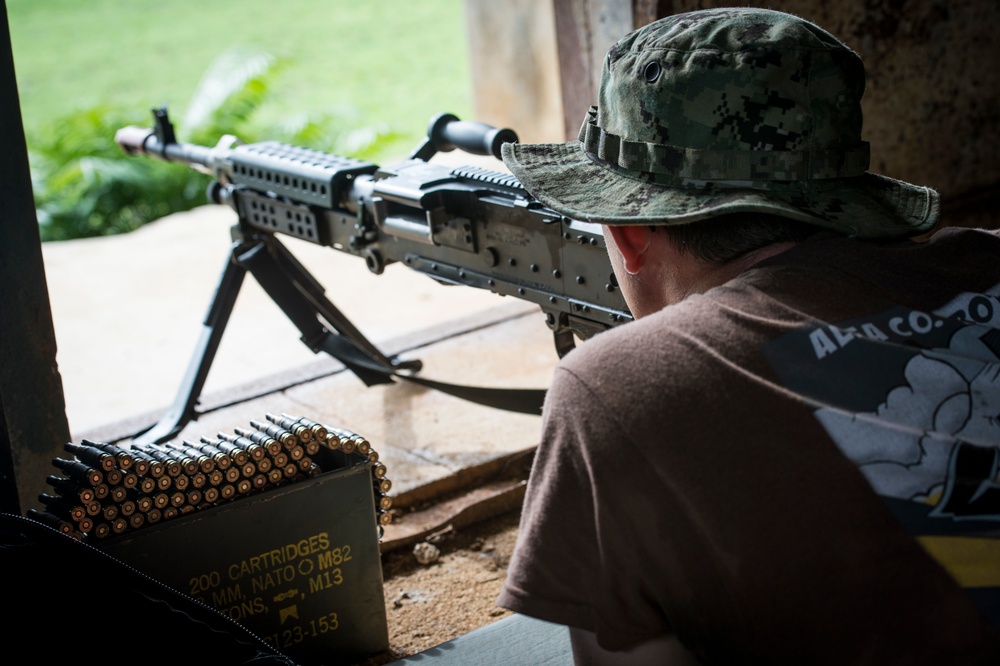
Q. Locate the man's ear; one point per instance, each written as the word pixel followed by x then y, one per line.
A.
pixel 632 242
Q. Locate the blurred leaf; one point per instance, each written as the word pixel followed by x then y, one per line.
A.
pixel 234 87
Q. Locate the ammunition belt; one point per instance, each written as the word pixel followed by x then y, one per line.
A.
pixel 107 489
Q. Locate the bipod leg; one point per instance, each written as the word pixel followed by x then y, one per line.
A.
pixel 182 411
pixel 275 269
pixel 314 292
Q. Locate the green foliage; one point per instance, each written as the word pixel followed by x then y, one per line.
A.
pixel 85 185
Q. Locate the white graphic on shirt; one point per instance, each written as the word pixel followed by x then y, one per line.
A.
pixel 936 438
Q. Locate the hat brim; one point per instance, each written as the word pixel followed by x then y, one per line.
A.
pixel 565 178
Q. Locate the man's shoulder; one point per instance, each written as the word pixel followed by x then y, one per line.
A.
pixel 652 349
pixel 636 336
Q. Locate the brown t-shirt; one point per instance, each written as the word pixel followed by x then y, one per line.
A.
pixel 750 468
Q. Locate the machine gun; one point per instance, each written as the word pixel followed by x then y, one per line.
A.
pixel 460 226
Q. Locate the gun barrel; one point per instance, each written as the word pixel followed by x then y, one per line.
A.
pixel 132 139
pixel 144 141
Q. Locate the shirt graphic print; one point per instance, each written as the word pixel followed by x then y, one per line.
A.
pixel 913 399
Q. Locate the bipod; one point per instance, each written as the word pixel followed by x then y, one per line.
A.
pixel 302 299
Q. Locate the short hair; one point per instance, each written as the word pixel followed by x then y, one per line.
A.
pixel 727 237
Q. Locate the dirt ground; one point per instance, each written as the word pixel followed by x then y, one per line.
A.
pixel 429 604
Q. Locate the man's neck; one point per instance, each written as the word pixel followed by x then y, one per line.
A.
pixel 706 276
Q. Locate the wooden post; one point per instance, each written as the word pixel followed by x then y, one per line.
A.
pixel 585 30
pixel 513 60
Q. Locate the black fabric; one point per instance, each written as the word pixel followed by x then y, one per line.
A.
pixel 66 600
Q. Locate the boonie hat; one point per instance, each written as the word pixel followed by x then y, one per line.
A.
pixel 723 111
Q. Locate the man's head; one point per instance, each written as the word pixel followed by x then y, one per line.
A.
pixel 721 112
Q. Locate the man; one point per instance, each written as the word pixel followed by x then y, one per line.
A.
pixel 791 456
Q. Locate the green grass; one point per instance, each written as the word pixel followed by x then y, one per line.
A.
pixel 393 64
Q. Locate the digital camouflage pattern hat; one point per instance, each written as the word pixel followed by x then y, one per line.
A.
pixel 723 111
